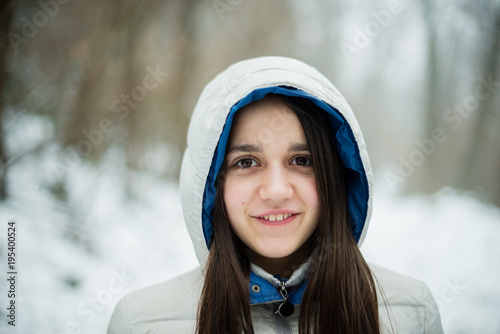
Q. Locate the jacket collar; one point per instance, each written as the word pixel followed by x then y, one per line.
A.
pixel 264 287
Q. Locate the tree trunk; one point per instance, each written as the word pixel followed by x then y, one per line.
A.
pixel 6 10
pixel 480 145
pixel 429 180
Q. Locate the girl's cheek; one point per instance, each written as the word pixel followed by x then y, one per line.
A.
pixel 232 192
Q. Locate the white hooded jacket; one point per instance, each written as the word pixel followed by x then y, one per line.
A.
pixel 170 307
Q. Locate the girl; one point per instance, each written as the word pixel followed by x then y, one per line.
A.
pixel 276 190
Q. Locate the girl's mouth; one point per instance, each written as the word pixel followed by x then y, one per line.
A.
pixel 277 219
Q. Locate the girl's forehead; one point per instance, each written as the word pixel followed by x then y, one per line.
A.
pixel 264 122
pixel 270 113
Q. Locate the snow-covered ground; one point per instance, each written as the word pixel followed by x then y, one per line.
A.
pixel 451 242
pixel 77 256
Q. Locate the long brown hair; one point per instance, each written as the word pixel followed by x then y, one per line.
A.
pixel 340 296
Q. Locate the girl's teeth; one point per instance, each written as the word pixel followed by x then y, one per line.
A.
pixel 278 217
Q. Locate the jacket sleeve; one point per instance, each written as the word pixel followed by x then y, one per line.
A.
pixel 432 317
pixel 119 323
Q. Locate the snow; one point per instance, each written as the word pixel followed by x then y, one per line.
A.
pixel 77 257
pixel 82 250
pixel 448 240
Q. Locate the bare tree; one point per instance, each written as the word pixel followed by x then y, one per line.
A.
pixel 6 11
pixel 480 165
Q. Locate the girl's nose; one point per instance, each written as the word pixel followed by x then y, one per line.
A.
pixel 275 184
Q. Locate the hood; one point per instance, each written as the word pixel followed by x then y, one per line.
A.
pixel 239 85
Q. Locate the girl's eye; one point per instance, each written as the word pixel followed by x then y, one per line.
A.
pixel 246 163
pixel 302 161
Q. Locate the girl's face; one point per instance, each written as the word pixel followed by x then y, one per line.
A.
pixel 269 191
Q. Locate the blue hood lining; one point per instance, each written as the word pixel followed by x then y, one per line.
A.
pixel 357 183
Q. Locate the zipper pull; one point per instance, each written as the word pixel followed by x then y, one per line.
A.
pixel 286 308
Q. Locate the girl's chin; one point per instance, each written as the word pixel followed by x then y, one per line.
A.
pixel 275 254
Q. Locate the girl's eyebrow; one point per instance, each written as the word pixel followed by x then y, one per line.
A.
pixel 298 147
pixel 248 148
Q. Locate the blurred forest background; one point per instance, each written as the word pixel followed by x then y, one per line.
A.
pixel 407 68
pixel 111 85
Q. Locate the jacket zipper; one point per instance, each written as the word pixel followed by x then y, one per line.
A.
pixel 285 309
